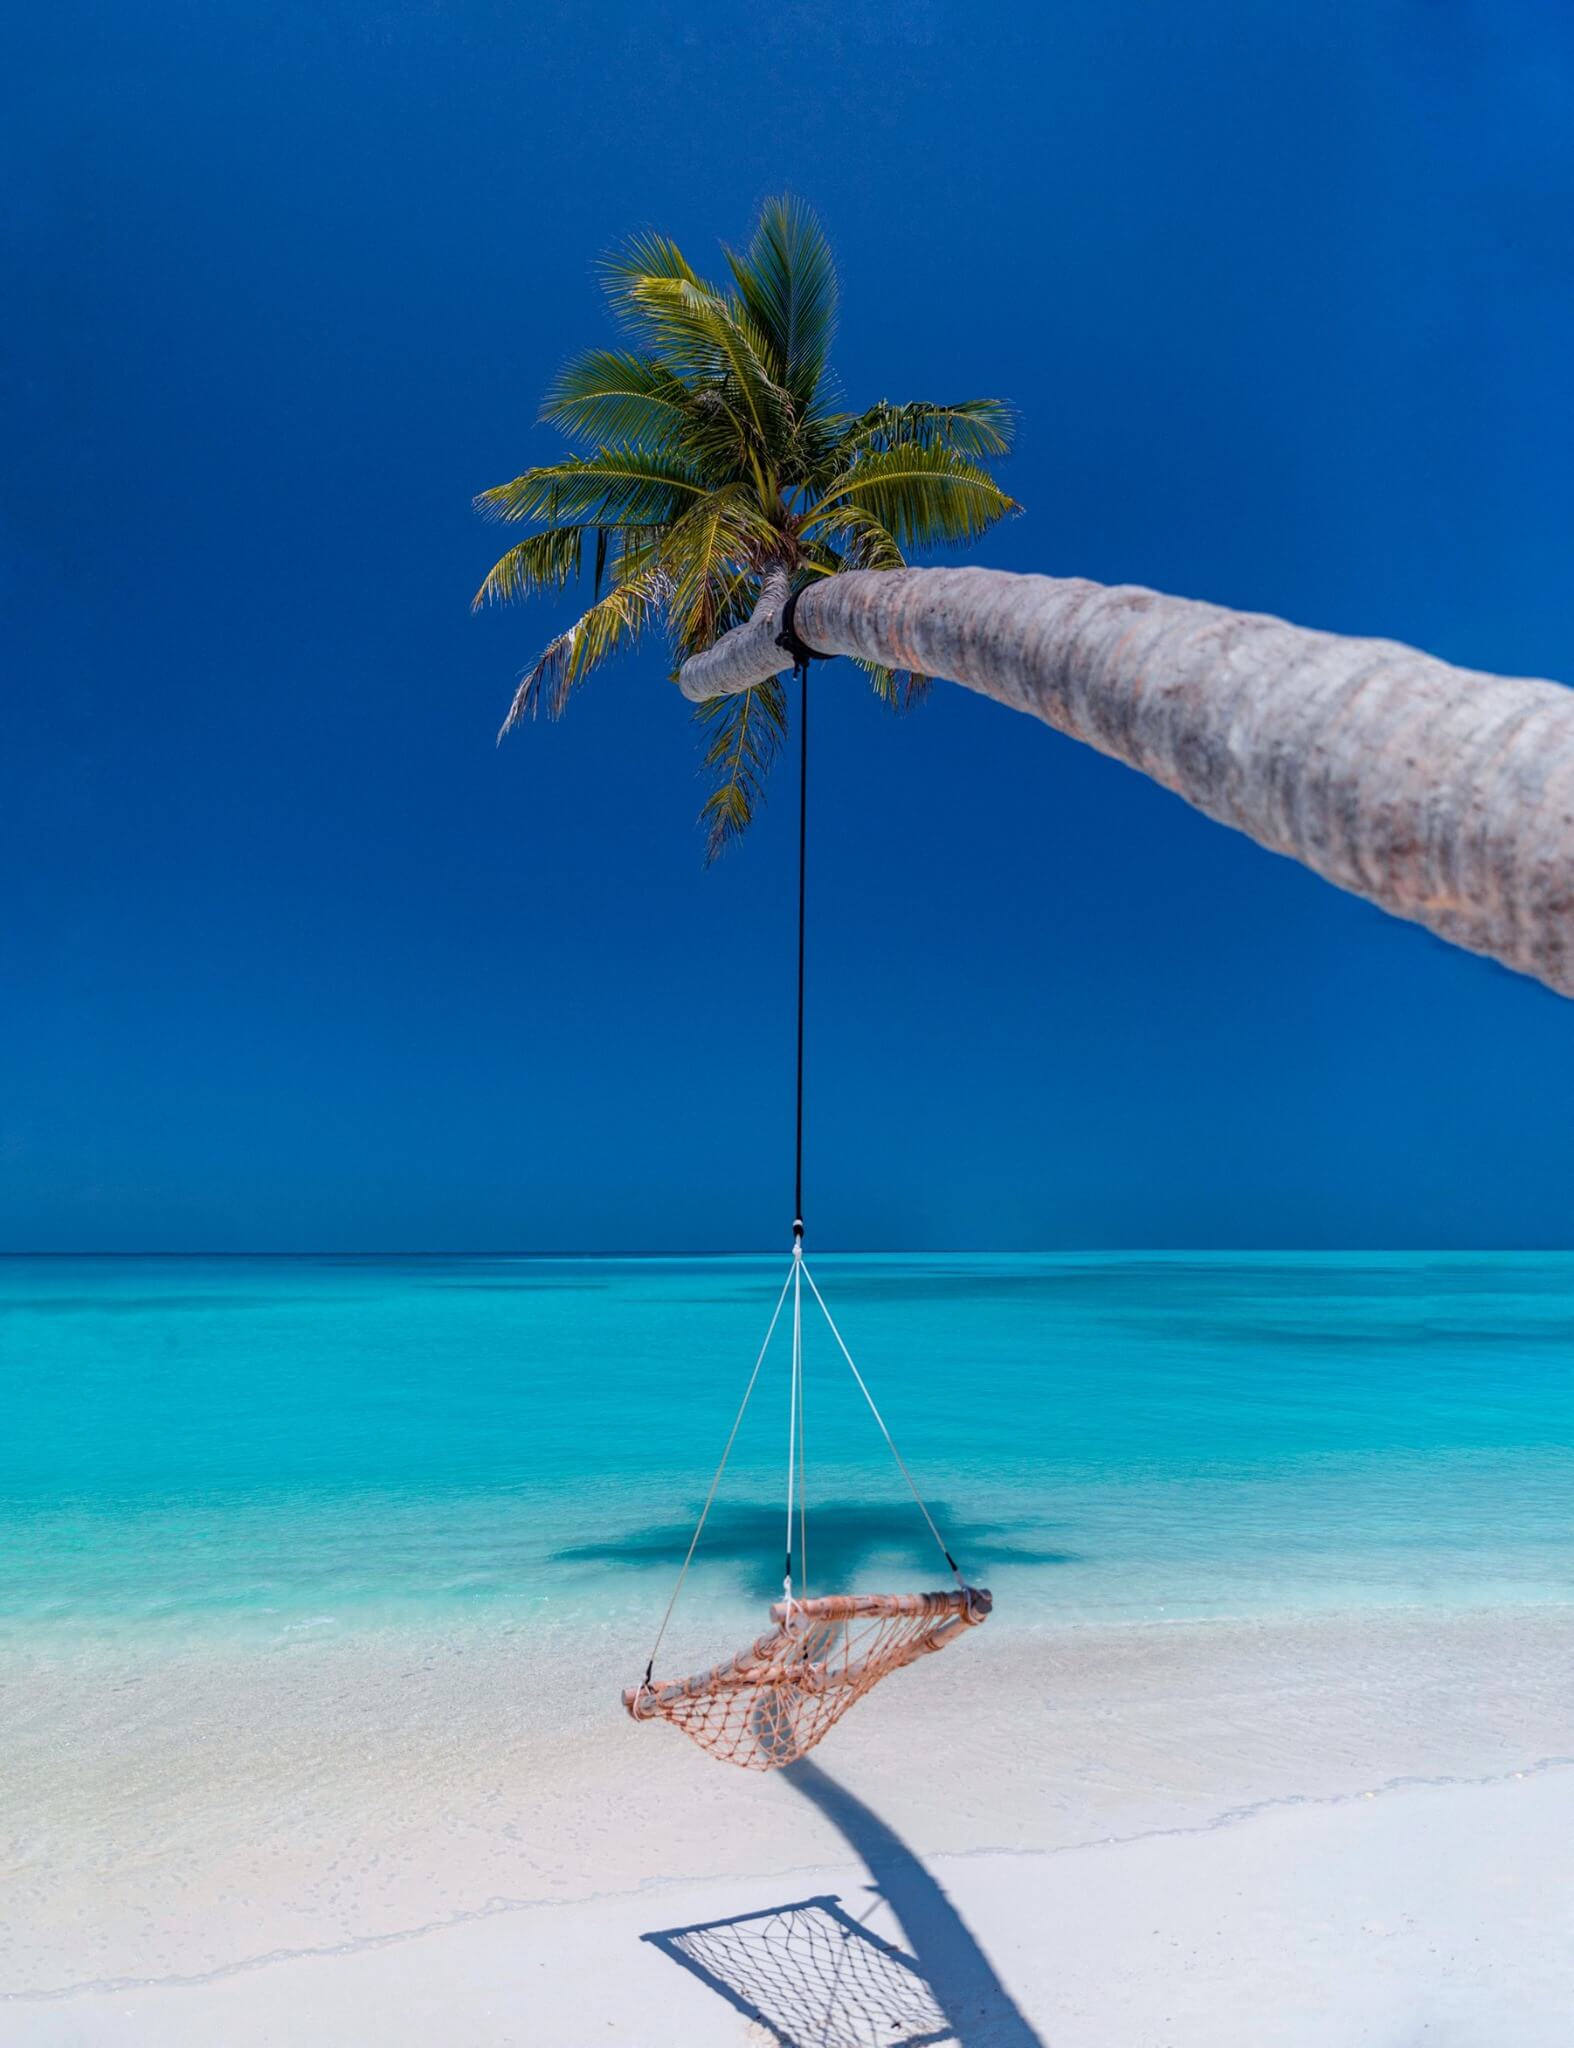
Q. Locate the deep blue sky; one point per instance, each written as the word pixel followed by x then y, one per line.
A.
pixel 294 958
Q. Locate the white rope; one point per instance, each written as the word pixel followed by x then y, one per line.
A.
pixel 732 1435
pixel 803 1488
pixel 880 1420
pixel 792 1402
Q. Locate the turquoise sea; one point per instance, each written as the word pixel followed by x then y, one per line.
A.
pixel 266 1447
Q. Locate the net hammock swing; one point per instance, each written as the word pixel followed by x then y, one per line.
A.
pixel 771 1703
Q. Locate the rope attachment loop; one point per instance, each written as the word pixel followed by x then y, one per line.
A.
pixel 788 639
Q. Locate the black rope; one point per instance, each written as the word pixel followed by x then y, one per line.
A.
pixel 802 654
pixel 803 850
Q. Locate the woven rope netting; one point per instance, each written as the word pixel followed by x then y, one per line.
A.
pixel 773 1702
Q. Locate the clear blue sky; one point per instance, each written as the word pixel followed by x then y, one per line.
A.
pixel 295 959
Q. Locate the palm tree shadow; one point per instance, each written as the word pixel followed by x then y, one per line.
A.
pixel 813 1977
pixel 846 1538
pixel 979 2010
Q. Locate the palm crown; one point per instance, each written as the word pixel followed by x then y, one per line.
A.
pixel 718 456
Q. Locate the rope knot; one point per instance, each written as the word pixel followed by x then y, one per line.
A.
pixel 789 642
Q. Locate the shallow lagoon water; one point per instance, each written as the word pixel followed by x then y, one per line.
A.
pixel 276 1446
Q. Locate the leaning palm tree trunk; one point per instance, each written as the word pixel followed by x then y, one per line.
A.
pixel 1441 794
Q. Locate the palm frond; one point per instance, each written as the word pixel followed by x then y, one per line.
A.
pixel 543 561
pixel 609 395
pixel 819 453
pixel 709 556
pixel 613 487
pixel 973 426
pixel 719 440
pixel 708 341
pixel 634 549
pixel 860 541
pixel 787 280
pixel 614 621
pixel 640 258
pixel 899 688
pixel 746 732
pixel 922 495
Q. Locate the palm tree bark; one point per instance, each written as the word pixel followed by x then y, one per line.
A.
pixel 1441 794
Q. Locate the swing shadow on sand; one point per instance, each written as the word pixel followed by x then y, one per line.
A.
pixel 846 1537
pixel 810 1975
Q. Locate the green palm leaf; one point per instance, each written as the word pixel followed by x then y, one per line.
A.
pixel 898 688
pixel 922 495
pixel 709 557
pixel 858 538
pixel 614 621
pixel 609 395
pixel 745 735
pixel 545 561
pixel 640 258
pixel 787 280
pixel 709 342
pixel 973 426
pixel 613 487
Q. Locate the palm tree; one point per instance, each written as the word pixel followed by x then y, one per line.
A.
pixel 721 474
pixel 721 481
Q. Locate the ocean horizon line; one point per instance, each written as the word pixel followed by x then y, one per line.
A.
pixel 783 1250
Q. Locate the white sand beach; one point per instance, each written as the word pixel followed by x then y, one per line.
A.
pixel 1343 1829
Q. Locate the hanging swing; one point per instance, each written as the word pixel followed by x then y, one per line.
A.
pixel 771 1703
